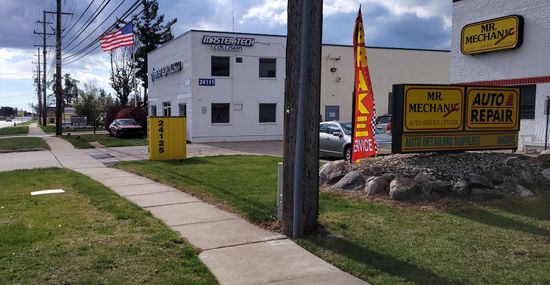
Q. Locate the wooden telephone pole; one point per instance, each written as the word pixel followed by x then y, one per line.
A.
pixel 302 111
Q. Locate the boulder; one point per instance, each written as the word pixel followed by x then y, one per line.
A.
pixel 479 181
pixel 373 171
pixel 524 192
pixel 441 187
pixel 461 189
pixel 544 158
pixel 481 194
pixel 495 176
pixel 422 178
pixel 377 185
pixel 402 188
pixel 390 176
pixel 352 181
pixel 526 177
pixel 546 173
pixel 332 172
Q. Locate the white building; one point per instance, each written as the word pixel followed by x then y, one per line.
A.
pixel 231 85
pixel 527 65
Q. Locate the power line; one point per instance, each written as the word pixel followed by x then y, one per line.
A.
pixel 81 15
pixel 88 22
pixel 93 42
pixel 99 26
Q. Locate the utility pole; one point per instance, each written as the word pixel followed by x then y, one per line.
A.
pixel 44 36
pixel 40 109
pixel 301 125
pixel 58 96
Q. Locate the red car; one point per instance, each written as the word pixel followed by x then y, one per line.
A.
pixel 125 128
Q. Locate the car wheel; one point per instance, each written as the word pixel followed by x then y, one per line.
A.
pixel 347 153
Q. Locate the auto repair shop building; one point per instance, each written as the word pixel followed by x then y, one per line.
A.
pixel 525 62
pixel 230 86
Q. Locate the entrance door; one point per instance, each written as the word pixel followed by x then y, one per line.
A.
pixel 332 113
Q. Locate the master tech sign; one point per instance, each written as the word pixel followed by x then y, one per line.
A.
pixel 449 117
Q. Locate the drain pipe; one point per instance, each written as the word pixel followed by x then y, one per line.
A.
pixel 305 47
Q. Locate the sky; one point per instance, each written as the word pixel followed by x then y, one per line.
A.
pixel 388 23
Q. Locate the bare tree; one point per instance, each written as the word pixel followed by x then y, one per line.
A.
pixel 123 73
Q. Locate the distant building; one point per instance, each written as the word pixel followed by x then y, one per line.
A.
pixel 230 86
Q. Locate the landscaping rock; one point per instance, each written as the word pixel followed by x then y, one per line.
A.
pixel 526 177
pixel 352 181
pixel 390 176
pixel 544 158
pixel 373 171
pixel 524 192
pixel 546 173
pixel 422 178
pixel 479 181
pixel 377 186
pixel 461 189
pixel 441 187
pixel 402 188
pixel 332 172
pixel 495 176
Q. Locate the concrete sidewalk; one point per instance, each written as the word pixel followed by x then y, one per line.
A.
pixel 234 250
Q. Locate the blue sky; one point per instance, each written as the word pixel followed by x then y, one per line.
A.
pixel 388 23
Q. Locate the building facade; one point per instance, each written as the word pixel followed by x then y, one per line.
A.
pixel 230 86
pixel 525 63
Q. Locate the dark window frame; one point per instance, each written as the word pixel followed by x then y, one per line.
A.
pixel 219 68
pixel 528 102
pixel 266 72
pixel 265 119
pixel 216 118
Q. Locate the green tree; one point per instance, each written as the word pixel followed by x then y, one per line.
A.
pixel 69 90
pixel 151 33
pixel 92 102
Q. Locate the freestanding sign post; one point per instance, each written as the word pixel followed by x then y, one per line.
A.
pixel 166 138
pixel 430 118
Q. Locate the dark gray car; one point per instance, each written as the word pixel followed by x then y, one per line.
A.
pixel 335 139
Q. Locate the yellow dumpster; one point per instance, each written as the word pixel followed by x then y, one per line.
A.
pixel 166 138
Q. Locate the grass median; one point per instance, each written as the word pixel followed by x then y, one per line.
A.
pixel 83 141
pixel 22 144
pixel 19 130
pixel 87 235
pixel 506 242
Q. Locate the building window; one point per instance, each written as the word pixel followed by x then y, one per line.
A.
pixel 239 60
pixel 268 113
pixel 153 110
pixel 220 65
pixel 220 113
pixel 528 100
pixel 268 67
pixel 166 109
pixel 182 110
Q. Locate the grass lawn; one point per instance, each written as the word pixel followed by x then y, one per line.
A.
pixel 88 235
pixel 19 130
pixel 83 141
pixel 22 144
pixel 505 242
pixel 27 123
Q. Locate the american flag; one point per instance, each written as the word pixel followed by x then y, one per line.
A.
pixel 119 38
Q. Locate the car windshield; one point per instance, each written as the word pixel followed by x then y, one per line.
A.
pixel 127 122
pixel 347 128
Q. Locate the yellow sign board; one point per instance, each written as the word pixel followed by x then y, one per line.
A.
pixel 166 138
pixel 491 108
pixel 433 108
pixel 458 141
pixel 491 35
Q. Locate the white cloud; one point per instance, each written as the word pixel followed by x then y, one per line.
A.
pixel 16 63
pixel 273 12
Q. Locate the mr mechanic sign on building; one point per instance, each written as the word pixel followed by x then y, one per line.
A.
pixel 492 35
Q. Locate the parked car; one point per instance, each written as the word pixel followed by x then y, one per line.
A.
pixel 335 139
pixel 384 123
pixel 125 127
